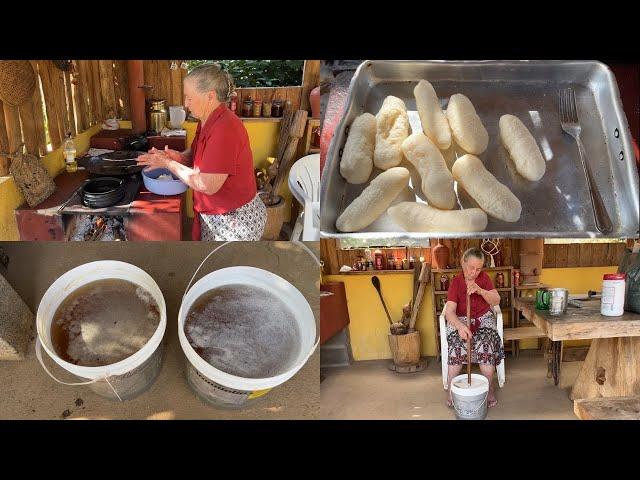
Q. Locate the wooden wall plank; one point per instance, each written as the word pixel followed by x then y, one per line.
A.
pixel 70 106
pixel 573 255
pixel 12 124
pixel 87 76
pixel 53 124
pixel 4 145
pixel 79 99
pixel 38 113
pixel 549 257
pixel 562 255
pixel 310 80
pixel 107 89
pixel 96 93
pixel 29 129
pixel 58 91
pixel 164 81
pixel 586 254
pixel 121 86
pixel 176 85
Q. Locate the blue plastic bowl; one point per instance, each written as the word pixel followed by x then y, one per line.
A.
pixel 162 187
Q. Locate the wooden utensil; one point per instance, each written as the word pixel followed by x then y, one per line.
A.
pixel 424 280
pixel 417 269
pixel 397 328
pixel 376 283
pixel 469 339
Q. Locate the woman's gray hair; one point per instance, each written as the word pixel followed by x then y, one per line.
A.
pixel 210 76
pixel 473 252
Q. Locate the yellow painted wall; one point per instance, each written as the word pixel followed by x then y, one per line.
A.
pixel 11 197
pixel 263 137
pixel 369 326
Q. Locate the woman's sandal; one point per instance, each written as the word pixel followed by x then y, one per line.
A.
pixel 492 403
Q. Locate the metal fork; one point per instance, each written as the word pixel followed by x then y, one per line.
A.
pixel 571 125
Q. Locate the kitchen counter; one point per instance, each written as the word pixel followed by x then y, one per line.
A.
pixel 147 217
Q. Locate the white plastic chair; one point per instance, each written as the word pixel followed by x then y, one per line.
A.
pixel 304 183
pixel 444 347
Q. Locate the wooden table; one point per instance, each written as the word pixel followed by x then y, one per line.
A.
pixel 612 366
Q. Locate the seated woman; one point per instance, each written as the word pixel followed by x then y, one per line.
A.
pixel 219 164
pixel 486 346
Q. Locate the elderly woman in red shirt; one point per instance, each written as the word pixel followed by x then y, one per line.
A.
pixel 486 346
pixel 219 164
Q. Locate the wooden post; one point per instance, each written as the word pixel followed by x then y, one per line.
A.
pixel 135 77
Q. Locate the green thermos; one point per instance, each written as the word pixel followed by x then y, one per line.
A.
pixel 543 297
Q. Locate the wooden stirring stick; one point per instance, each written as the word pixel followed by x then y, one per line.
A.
pixel 469 339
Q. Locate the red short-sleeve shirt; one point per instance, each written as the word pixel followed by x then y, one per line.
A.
pixel 221 145
pixel 458 293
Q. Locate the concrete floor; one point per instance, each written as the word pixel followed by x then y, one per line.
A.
pixel 27 392
pixel 368 390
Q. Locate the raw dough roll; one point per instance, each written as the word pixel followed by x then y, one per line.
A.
pixel 356 163
pixel 418 217
pixel 374 200
pixel 492 196
pixel 433 120
pixel 384 223
pixel 522 148
pixel 392 128
pixel 466 127
pixel 437 181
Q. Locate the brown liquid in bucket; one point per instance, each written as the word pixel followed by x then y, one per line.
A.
pixel 244 331
pixel 104 322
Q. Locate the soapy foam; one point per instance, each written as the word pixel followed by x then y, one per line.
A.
pixel 104 322
pixel 243 330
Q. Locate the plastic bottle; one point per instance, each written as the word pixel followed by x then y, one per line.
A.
pixel 69 149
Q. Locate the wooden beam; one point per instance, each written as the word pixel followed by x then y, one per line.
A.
pixel 97 90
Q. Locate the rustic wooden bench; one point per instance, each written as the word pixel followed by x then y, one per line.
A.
pixel 608 408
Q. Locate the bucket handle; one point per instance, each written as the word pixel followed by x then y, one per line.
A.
pixel 473 412
pixel 297 242
pixel 39 356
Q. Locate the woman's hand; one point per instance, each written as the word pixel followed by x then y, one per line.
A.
pixel 172 154
pixel 154 160
pixel 473 287
pixel 463 331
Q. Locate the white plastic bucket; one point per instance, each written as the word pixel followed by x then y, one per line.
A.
pixel 121 380
pixel 470 403
pixel 223 389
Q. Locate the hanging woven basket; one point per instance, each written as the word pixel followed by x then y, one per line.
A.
pixel 17 82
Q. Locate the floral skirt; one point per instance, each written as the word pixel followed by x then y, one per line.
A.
pixel 242 224
pixel 486 345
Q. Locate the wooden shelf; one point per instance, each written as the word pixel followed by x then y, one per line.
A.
pixel 260 119
pixel 376 272
pixel 534 286
pixel 487 269
pixel 444 292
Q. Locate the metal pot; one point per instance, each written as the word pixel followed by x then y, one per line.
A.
pixel 156 116
pixel 102 192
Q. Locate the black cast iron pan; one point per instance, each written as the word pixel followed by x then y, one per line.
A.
pixel 122 162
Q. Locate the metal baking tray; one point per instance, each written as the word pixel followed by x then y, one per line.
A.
pixel 556 206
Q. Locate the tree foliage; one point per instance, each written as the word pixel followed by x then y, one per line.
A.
pixel 260 73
